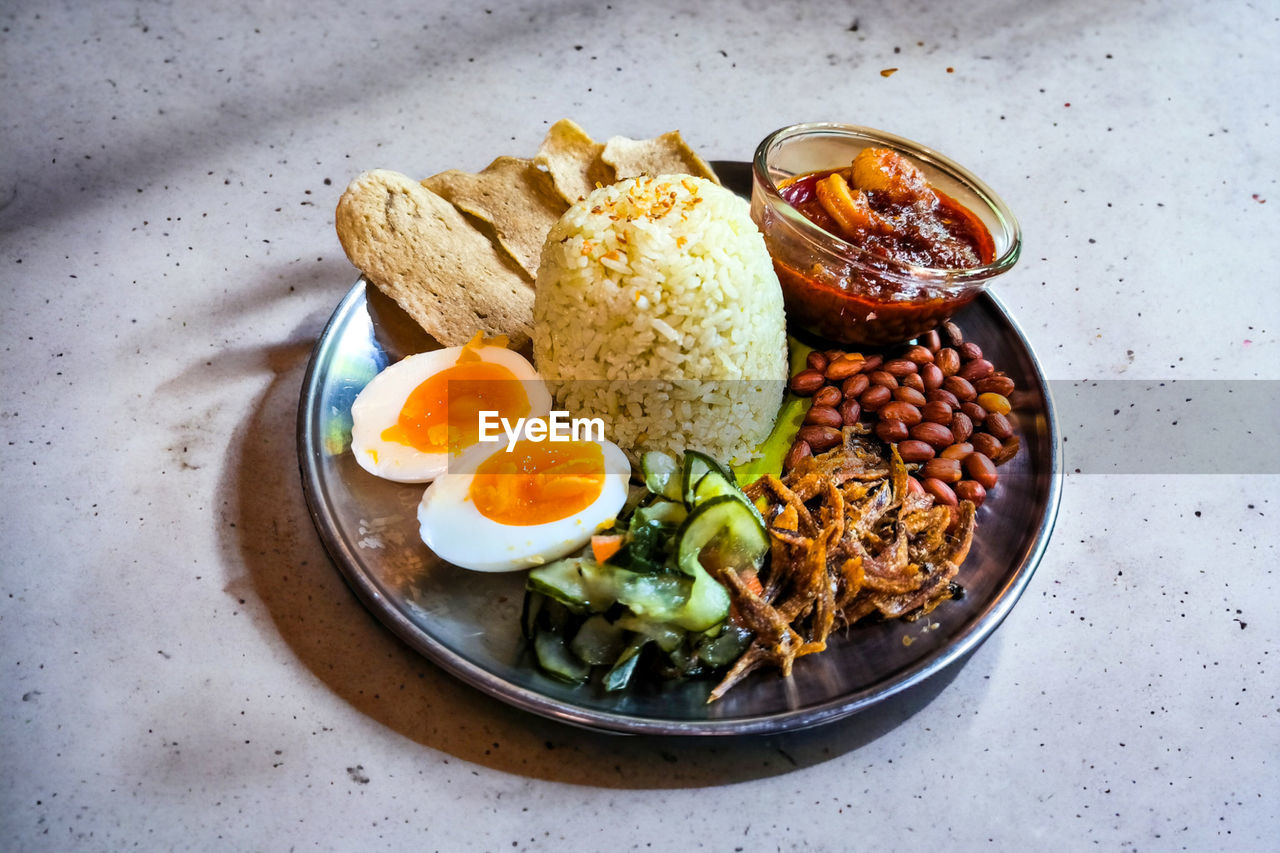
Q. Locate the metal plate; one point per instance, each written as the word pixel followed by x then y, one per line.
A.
pixel 468 622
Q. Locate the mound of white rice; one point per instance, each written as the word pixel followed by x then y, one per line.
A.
pixel 657 309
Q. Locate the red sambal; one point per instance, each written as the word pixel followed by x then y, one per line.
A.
pixel 883 205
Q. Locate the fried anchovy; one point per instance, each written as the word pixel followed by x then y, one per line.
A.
pixel 848 538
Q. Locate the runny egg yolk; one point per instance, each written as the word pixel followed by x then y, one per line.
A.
pixel 443 413
pixel 538 482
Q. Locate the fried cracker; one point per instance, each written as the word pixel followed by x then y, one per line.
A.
pixel 513 196
pixel 663 155
pixel 573 160
pixel 419 250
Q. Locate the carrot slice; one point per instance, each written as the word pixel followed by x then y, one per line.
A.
pixel 605 546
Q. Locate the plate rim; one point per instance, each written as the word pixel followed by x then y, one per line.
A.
pixel 980 627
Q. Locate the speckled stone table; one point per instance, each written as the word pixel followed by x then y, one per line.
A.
pixel 183 667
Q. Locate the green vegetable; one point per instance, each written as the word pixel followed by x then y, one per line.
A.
pixel 662 511
pixel 725 648
pixel 666 636
pixel 774 449
pixel 696 466
pixel 771 452
pixel 727 531
pixel 620 675
pixel 598 641
pixel 656 589
pixel 661 474
pixel 715 483
pixel 707 606
pixel 556 659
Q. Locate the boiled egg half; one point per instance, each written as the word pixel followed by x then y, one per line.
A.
pixel 498 511
pixel 420 412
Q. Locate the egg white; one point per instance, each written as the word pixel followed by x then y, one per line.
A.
pixel 378 406
pixel 456 531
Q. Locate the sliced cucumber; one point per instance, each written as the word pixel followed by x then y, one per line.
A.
pixel 712 485
pixel 725 648
pixel 696 466
pixel 656 596
pixel 718 482
pixel 598 641
pixel 708 603
pixel 580 583
pixel 664 634
pixel 728 529
pixel 556 659
pixel 661 510
pixel 661 474
pixel 620 674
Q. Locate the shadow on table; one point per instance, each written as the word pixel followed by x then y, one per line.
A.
pixel 343 645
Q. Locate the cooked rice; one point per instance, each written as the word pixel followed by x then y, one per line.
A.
pixel 658 310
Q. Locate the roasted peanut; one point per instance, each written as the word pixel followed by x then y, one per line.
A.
pixel 945 396
pixel 816 361
pixel 806 382
pixel 977 369
pixel 931 376
pixel 946 470
pixel 959 386
pixel 948 361
pixel 913 380
pixel 919 354
pixel 883 377
pixel 842 368
pixel 875 397
pixel 996 383
pixel 993 402
pixel 798 451
pixel 855 385
pixel 976 413
pixel 909 395
pixel 933 434
pixel 986 444
pixel 952 333
pixel 900 367
pixel 823 416
pixel 998 425
pixel 819 438
pixel 828 396
pixel 981 469
pixel 915 450
pixel 938 412
pixel 969 490
pixel 899 411
pixel 891 431
pixel 942 403
pixel 941 492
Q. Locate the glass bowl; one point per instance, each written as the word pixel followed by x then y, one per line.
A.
pixel 846 293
